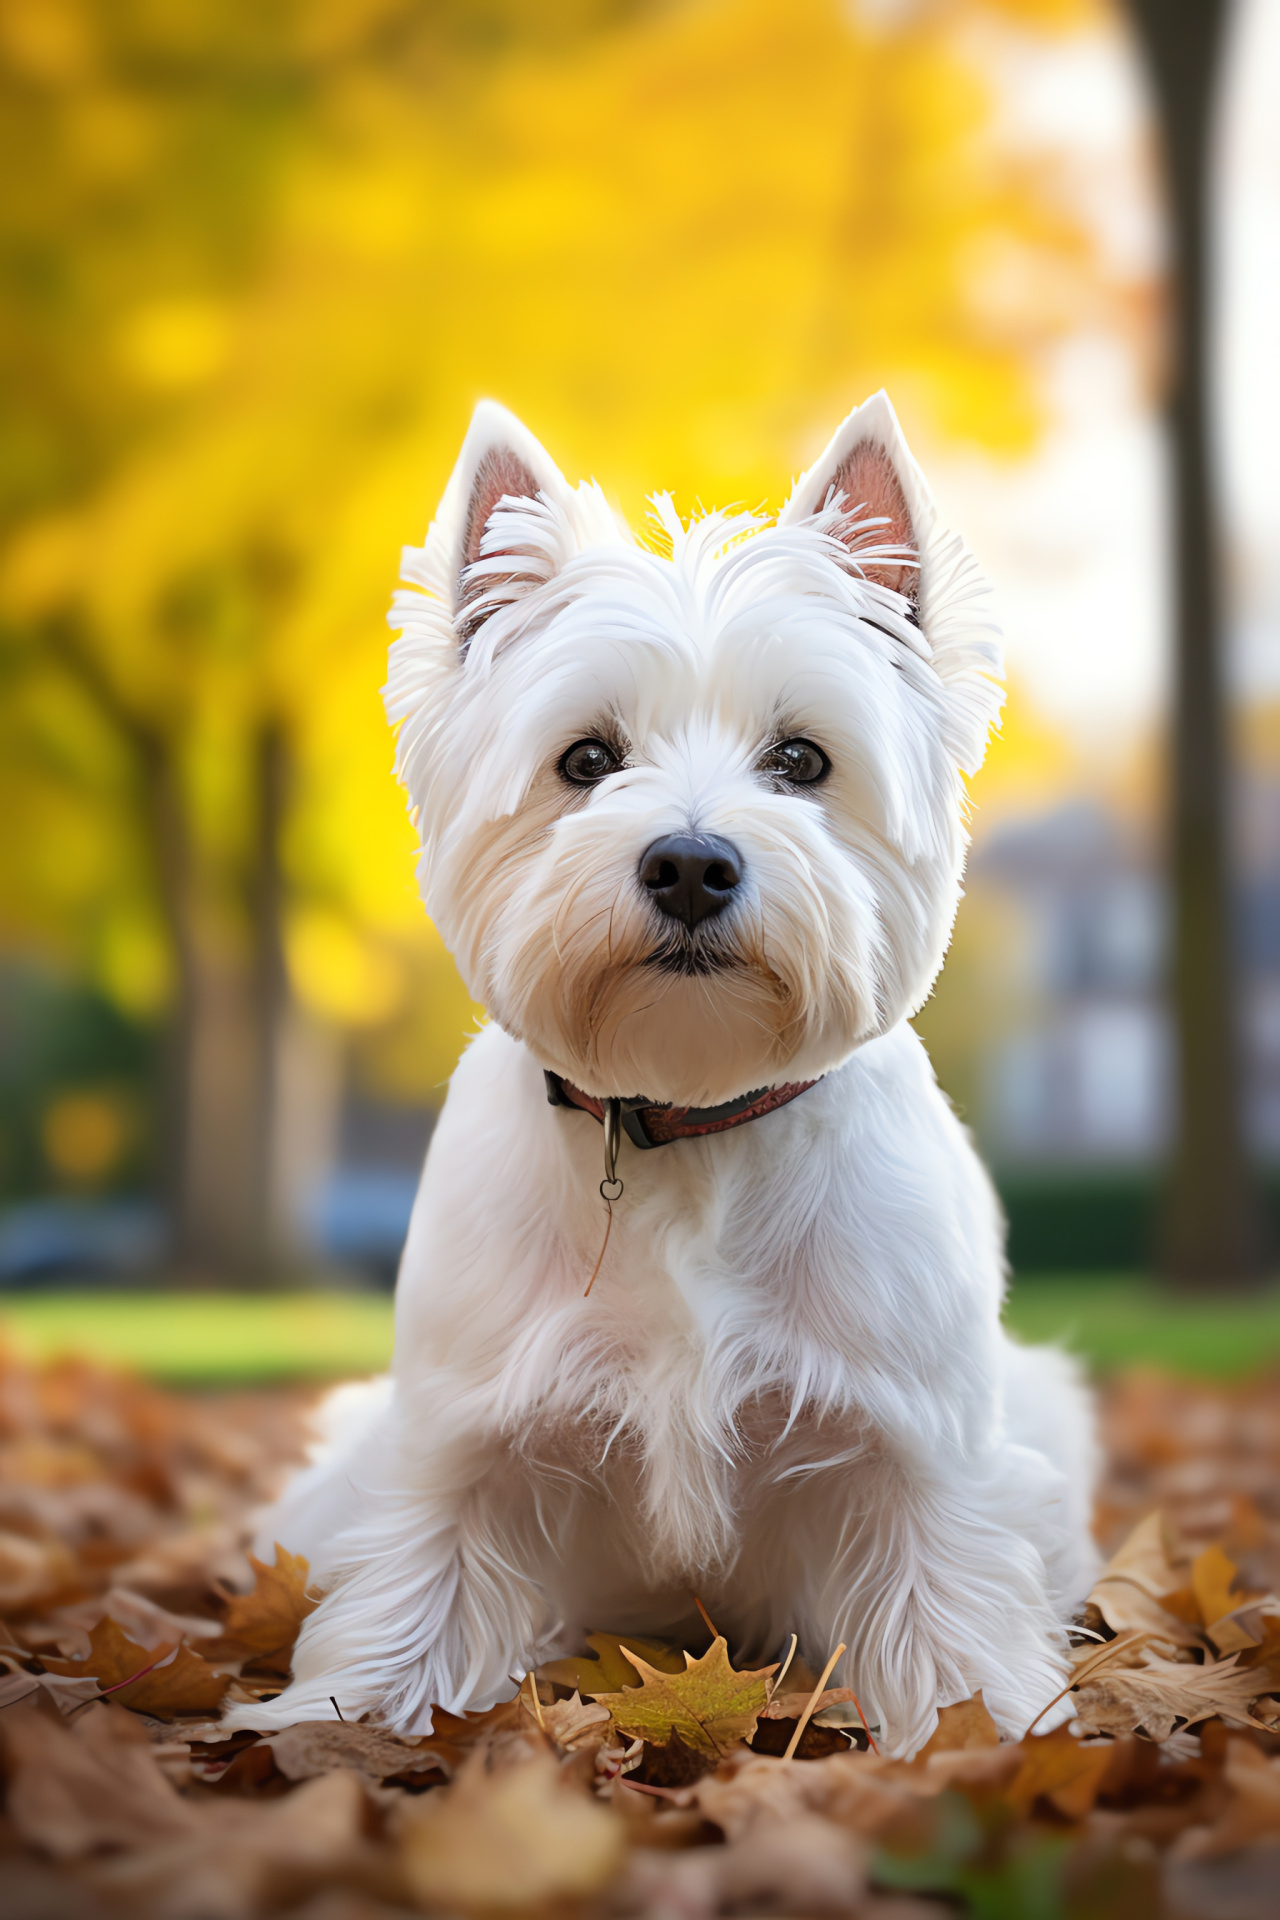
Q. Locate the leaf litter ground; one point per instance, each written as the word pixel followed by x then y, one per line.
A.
pixel 635 1780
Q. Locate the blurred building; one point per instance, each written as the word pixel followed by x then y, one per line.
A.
pixel 1083 1075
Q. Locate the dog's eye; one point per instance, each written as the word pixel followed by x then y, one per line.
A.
pixel 797 761
pixel 588 761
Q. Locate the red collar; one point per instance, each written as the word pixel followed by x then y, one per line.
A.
pixel 653 1124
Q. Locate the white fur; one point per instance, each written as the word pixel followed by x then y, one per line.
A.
pixel 789 1392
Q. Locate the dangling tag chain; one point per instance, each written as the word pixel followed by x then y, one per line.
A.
pixel 610 1186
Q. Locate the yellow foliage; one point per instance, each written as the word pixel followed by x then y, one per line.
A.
pixel 85 1135
pixel 681 239
pixel 337 973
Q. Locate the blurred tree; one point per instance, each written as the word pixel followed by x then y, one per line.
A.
pixel 258 262
pixel 1212 1214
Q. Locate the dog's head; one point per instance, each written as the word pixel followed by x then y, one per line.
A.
pixel 692 819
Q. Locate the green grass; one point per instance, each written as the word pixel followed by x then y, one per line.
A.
pixel 208 1339
pixel 1118 1320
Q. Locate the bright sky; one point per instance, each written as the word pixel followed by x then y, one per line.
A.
pixel 1073 539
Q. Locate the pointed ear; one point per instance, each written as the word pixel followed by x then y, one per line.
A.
pixel 494 559
pixel 868 470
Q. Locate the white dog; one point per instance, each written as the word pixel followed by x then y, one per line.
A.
pixel 692 825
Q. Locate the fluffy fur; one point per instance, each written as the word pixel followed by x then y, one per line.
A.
pixel 789 1391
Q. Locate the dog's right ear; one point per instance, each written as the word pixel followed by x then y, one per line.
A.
pixel 496 555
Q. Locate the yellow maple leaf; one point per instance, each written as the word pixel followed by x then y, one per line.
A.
pixel 184 1684
pixel 709 1705
pixel 610 1665
pixel 264 1622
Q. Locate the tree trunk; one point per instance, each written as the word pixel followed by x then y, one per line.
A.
pixel 1211 1216
pixel 250 1090
pixel 207 1103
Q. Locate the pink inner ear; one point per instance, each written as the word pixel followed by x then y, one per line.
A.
pixel 499 473
pixel 873 490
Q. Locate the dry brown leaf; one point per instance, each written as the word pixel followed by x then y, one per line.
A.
pixel 34 1570
pixel 1140 1575
pixel 575 1722
pixel 709 1706
pixel 89 1783
pixel 314 1747
pixel 860 1791
pixel 264 1623
pixel 1059 1769
pixel 789 1706
pixel 1252 1812
pixel 16 1685
pixel 183 1684
pixel 1212 1577
pixel 246 1858
pixel 804 1865
pixel 962 1727
pixel 1160 1692
pixel 519 1837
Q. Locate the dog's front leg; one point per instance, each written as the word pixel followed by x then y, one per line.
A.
pixel 937 1591
pixel 431 1600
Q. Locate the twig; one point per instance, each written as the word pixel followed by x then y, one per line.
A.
pixel 1103 1656
pixel 537 1704
pixel 337 1709
pixel 679 1796
pixel 785 1667
pixel 812 1702
pixel 866 1728
pixel 708 1622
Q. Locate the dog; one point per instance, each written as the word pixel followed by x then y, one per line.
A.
pixel 700 1300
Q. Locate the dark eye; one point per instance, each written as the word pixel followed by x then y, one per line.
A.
pixel 588 761
pixel 798 761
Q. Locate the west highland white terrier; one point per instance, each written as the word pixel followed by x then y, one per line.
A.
pixel 692 820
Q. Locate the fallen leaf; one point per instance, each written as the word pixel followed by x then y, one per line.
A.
pixel 34 1570
pixel 151 1625
pixel 264 1623
pixel 314 1747
pixel 1059 1769
pixel 962 1727
pixel 1265 1654
pixel 711 1707
pixel 520 1837
pixel 15 1686
pixel 1212 1577
pixel 90 1783
pixel 804 1865
pixel 1140 1575
pixel 575 1722
pixel 1251 1813
pixel 610 1667
pixel 245 1858
pixel 184 1683
pixel 1159 1692
pixel 789 1706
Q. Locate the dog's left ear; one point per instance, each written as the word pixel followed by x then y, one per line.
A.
pixel 494 559
pixel 868 469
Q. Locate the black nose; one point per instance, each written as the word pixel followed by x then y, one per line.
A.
pixel 690 875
